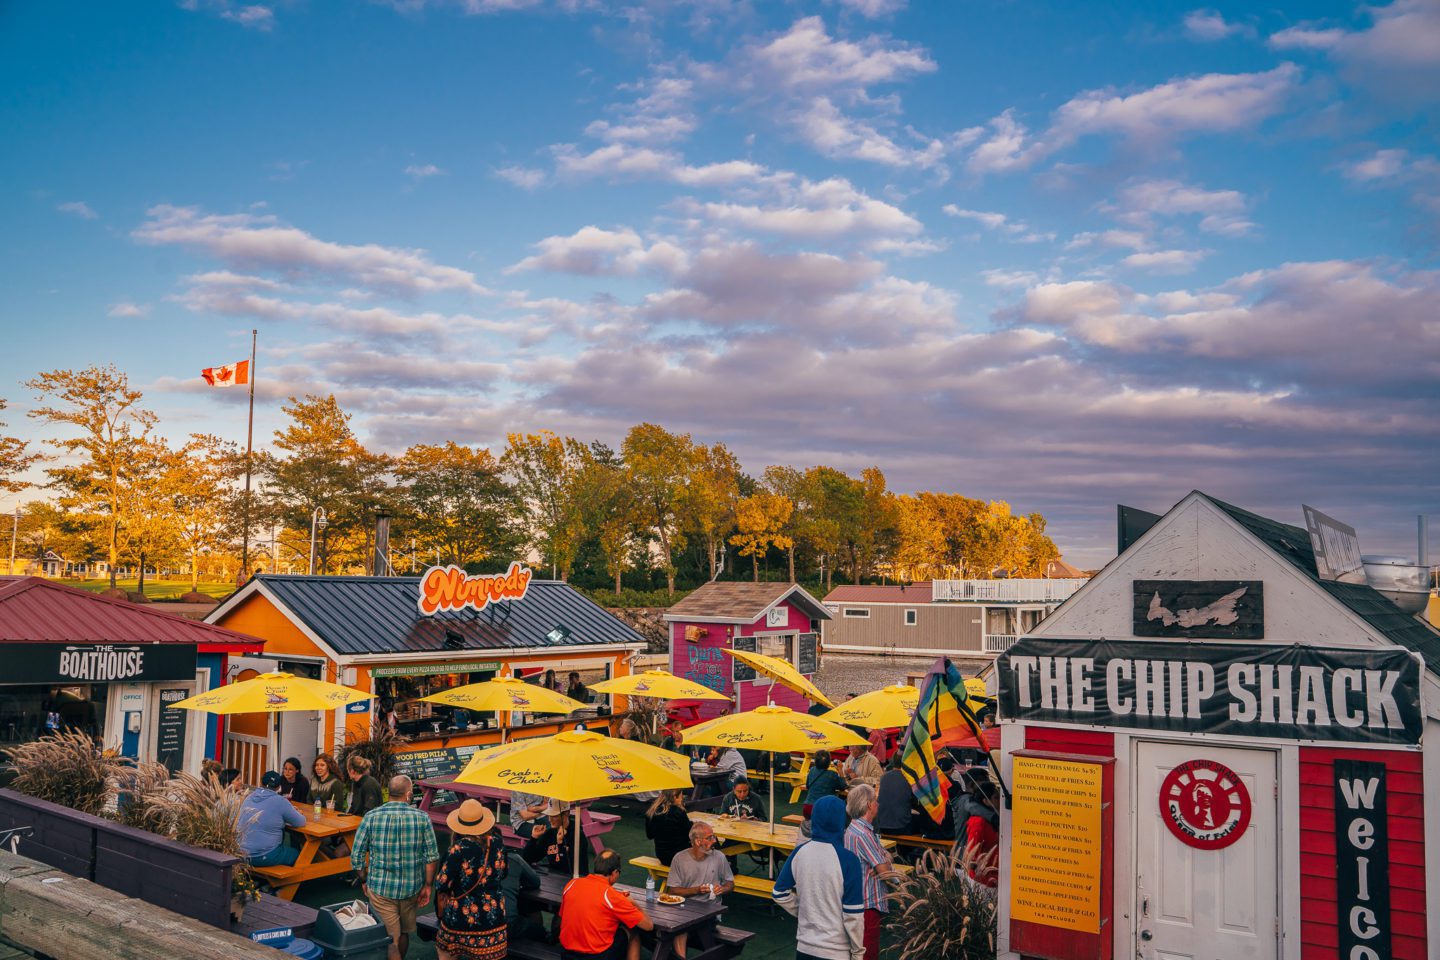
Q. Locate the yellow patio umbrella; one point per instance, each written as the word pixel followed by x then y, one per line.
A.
pixel 503 695
pixel 777 730
pixel 781 672
pixel 273 693
pixel 577 765
pixel 892 706
pixel 658 684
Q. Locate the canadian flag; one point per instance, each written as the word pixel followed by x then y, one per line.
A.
pixel 231 375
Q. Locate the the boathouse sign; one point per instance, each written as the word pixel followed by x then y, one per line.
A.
pixel 1288 692
pixel 97 663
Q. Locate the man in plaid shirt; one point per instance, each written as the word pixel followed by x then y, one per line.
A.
pixel 395 850
pixel 862 804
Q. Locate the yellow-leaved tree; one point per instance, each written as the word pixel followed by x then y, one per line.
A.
pixel 761 519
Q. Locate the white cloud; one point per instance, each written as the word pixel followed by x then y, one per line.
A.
pixel 423 171
pixel 1014 229
pixel 251 16
pixel 526 178
pixel 78 208
pixel 1397 55
pixel 830 208
pixel 250 241
pixel 1306 38
pixel 1209 25
pixel 807 59
pixel 1112 239
pixel 873 9
pixel 1005 149
pixel 1221 211
pixel 1165 261
pixel 1381 165
pixel 662 115
pixel 623 161
pixel 835 135
pixel 127 310
pixel 593 251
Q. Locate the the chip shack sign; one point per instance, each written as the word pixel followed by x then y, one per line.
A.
pixel 451 588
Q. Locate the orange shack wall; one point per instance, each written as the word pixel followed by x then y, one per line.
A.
pixel 258 617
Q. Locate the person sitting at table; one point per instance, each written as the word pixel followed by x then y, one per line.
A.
pixel 742 803
pixel 554 846
pixel 981 838
pixel 520 876
pixel 293 784
pixel 263 817
pixel 898 814
pixel 598 922
pixel 527 811
pixel 365 792
pixel 729 760
pixel 629 730
pixel 699 871
pixel 326 787
pixel 469 902
pixel 820 782
pixel 549 682
pixel 862 767
pixel 674 739
pixel 667 823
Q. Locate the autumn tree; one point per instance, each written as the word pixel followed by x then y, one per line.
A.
pixel 707 502
pixel 15 458
pixel 544 470
pixel 456 499
pixel 610 509
pixel 322 464
pixel 198 485
pixel 761 518
pixel 658 464
pixel 151 535
pixel 831 502
pixel 789 484
pixel 103 460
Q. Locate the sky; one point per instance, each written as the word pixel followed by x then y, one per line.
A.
pixel 1063 255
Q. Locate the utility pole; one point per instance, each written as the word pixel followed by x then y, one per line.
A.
pixel 14 535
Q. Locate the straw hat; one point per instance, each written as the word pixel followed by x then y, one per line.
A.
pixel 471 818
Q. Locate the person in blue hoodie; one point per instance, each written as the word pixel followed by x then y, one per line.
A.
pixel 822 886
pixel 263 818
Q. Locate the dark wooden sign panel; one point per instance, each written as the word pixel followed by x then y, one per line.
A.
pixel 1200 609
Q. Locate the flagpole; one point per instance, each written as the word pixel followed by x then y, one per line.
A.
pixel 249 440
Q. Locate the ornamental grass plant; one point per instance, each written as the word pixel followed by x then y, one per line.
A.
pixel 137 787
pixel 65 768
pixel 939 913
pixel 202 813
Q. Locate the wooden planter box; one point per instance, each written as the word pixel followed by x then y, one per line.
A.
pixel 62 838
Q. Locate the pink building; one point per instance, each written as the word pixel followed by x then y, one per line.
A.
pixel 777 619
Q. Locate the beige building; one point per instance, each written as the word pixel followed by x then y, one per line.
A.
pixel 975 617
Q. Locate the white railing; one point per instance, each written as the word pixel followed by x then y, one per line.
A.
pixel 1006 591
pixel 998 642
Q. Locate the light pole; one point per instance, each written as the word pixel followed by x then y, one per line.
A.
pixel 14 535
pixel 317 519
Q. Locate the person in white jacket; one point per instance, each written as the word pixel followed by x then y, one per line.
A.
pixel 822 886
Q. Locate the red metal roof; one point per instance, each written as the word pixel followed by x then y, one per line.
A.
pixel 35 610
pixel 918 592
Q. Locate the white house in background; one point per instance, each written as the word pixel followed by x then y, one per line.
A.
pixel 967 617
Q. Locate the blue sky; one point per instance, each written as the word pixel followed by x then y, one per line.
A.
pixel 1065 255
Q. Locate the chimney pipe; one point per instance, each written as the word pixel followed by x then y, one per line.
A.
pixel 1423 534
pixel 381 567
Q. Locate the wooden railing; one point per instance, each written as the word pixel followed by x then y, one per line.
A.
pixel 1005 591
pixel 998 642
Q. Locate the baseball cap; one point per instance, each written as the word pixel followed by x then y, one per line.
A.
pixel 271 780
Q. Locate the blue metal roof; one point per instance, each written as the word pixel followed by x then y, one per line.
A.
pixel 367 615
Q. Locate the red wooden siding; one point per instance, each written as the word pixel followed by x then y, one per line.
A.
pixel 1406 824
pixel 1091 743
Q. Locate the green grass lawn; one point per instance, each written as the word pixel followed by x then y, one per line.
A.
pixel 155 589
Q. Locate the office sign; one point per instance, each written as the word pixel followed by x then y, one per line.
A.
pixel 97 663
pixel 1284 692
pixel 1362 851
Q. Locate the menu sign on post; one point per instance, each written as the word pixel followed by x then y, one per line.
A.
pixel 742 670
pixel 808 659
pixel 438 763
pixel 170 736
pixel 1056 846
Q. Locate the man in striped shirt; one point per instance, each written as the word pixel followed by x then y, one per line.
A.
pixel 860 839
pixel 395 850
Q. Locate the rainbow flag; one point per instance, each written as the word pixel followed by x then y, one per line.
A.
pixel 944 705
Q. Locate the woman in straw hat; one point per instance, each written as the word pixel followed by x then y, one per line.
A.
pixel 468 898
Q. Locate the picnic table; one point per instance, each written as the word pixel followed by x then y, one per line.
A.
pixel 593 825
pixel 287 880
pixel 670 921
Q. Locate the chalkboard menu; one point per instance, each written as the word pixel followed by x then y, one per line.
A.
pixel 744 671
pixel 170 738
pixel 437 763
pixel 808 660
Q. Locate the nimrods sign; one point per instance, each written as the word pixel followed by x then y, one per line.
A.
pixel 1291 692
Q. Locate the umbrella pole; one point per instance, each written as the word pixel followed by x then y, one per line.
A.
pixel 576 839
pixel 770 870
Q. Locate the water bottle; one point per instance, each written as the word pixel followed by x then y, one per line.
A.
pixel 711 895
pixel 318 808
pixel 650 889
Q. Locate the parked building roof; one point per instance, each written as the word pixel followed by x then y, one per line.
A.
pixel 917 592
pixel 1293 544
pixel 355 616
pixel 36 610
pixel 734 601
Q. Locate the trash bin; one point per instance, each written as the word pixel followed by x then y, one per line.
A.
pixel 363 943
pixel 304 949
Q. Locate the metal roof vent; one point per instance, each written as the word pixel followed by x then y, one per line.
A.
pixel 454 641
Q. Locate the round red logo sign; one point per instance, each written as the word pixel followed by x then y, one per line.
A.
pixel 1204 804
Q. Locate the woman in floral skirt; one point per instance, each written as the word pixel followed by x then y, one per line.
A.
pixel 468 898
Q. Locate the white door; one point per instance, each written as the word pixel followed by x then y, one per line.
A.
pixel 1208 898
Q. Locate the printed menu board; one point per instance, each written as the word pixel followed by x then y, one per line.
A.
pixel 807 661
pixel 1056 843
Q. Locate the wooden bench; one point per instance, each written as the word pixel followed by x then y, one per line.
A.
pixel 272 913
pixel 593 824
pixel 795 779
pixel 750 886
pixel 919 842
pixel 794 819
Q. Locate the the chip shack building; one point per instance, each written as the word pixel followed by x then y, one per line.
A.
pixel 1219 748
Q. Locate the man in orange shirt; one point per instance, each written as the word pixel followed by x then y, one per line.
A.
pixel 592 912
